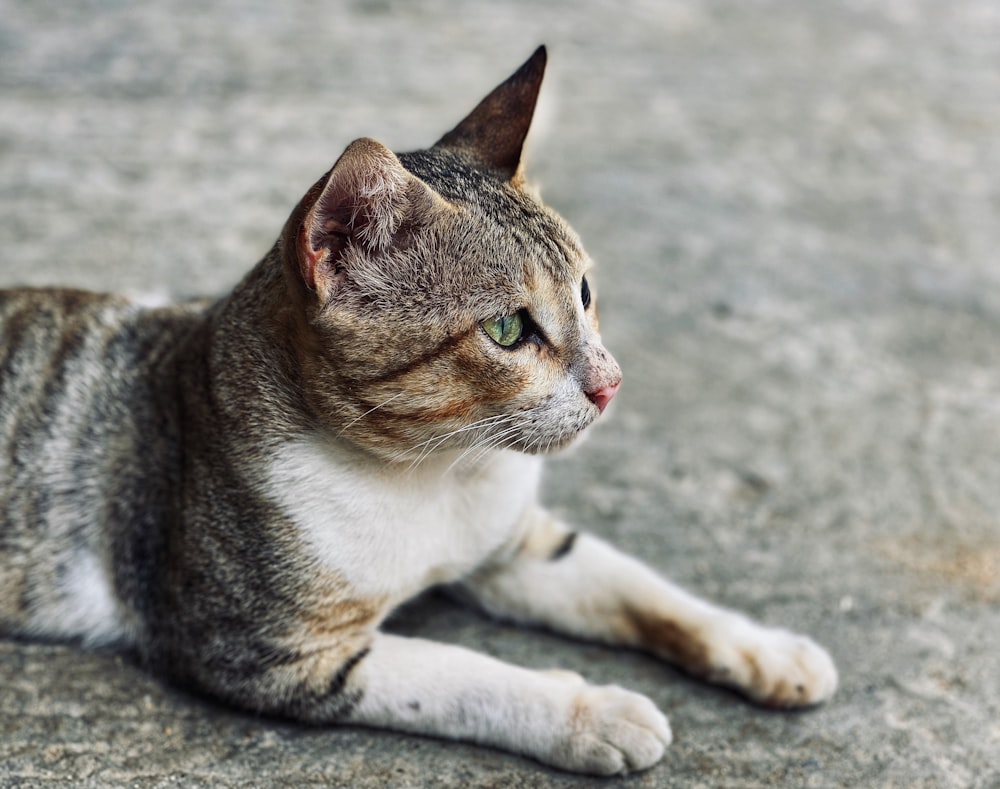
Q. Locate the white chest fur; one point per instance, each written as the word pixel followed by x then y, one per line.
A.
pixel 391 533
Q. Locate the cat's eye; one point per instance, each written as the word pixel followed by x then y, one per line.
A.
pixel 585 293
pixel 504 331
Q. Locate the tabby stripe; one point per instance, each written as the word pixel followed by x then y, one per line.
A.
pixel 564 547
pixel 339 679
pixel 14 328
pixel 441 348
pixel 338 702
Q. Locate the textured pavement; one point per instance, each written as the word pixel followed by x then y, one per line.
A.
pixel 795 208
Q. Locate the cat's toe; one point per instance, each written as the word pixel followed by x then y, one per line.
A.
pixel 778 668
pixel 808 677
pixel 614 731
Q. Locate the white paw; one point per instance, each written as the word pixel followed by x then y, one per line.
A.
pixel 774 667
pixel 612 731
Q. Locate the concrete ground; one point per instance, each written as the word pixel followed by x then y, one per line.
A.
pixel 796 212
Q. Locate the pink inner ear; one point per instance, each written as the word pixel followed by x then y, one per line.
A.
pixel 332 217
pixel 326 232
pixel 309 258
pixel 332 236
pixel 320 250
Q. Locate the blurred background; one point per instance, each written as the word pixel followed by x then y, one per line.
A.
pixel 794 209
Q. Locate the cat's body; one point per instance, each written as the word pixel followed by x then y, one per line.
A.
pixel 243 490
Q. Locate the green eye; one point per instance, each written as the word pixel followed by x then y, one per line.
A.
pixel 504 331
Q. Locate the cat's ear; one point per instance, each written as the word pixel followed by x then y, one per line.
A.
pixel 494 132
pixel 365 200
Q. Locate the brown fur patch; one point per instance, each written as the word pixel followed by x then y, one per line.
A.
pixel 333 614
pixel 459 409
pixel 499 381
pixel 669 639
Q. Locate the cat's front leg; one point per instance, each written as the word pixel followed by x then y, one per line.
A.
pixel 447 691
pixel 579 585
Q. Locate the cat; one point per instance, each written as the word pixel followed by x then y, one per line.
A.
pixel 242 490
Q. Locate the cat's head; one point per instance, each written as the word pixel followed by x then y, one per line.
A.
pixel 442 306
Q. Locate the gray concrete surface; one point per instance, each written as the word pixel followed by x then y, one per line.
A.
pixel 796 211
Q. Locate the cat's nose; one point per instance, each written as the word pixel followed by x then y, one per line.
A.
pixel 601 397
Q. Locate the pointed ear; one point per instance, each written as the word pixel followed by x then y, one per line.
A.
pixel 364 200
pixel 494 132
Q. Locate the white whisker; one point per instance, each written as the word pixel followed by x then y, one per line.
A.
pixel 366 413
pixel 428 446
pixel 488 443
pixel 483 444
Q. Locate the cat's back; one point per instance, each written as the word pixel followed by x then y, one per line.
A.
pixel 78 414
pixel 65 355
pixel 47 336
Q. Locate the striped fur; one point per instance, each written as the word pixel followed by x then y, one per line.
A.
pixel 243 490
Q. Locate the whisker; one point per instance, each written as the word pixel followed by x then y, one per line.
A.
pixel 483 444
pixel 478 447
pixel 488 443
pixel 434 441
pixel 470 426
pixel 357 419
pixel 505 444
pixel 428 446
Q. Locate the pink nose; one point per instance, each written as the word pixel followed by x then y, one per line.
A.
pixel 601 397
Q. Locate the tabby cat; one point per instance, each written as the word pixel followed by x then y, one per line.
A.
pixel 242 490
